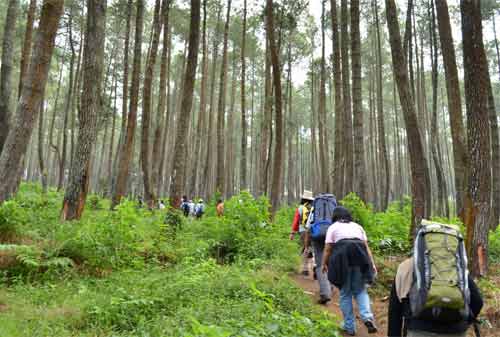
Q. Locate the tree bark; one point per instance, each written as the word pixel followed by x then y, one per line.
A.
pixel 221 111
pixel 29 104
pixel 41 162
pixel 348 141
pixel 243 161
pixel 338 175
pixel 26 51
pixel 323 139
pixel 419 168
pixel 278 147
pixel 6 68
pixel 454 104
pixel 149 195
pixel 357 104
pixel 91 103
pixel 179 159
pixel 495 159
pixel 128 145
pixel 477 200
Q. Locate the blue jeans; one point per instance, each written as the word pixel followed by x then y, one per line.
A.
pixel 325 288
pixel 354 287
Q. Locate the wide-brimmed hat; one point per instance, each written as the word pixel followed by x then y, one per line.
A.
pixel 307 195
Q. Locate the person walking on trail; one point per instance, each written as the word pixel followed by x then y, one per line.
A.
pixel 199 209
pixel 298 226
pixel 191 206
pixel 185 206
pixel 219 207
pixel 350 266
pixel 161 205
pixel 320 218
pixel 438 301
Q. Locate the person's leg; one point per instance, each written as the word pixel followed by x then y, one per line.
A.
pixel 305 258
pixel 416 333
pixel 361 295
pixel 345 302
pixel 325 289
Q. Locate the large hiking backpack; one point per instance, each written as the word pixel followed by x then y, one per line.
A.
pixel 322 211
pixel 440 290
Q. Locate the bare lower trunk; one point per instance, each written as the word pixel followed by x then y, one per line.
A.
pixel 93 58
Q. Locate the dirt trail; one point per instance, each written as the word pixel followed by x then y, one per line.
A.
pixel 379 308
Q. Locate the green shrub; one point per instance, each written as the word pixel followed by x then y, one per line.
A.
pixel 12 216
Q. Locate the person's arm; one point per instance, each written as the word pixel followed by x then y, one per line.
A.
pixel 476 300
pixel 295 224
pixel 326 257
pixel 395 314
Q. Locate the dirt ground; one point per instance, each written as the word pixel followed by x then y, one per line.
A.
pixel 491 312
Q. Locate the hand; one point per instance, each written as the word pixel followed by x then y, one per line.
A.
pixel 375 271
pixel 292 236
pixel 324 268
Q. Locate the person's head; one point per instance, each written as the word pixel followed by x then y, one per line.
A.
pixel 161 202
pixel 307 197
pixel 219 201
pixel 184 198
pixel 200 201
pixel 341 214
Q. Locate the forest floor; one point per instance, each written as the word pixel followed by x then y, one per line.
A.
pixel 380 303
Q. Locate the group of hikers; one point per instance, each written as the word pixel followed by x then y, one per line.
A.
pixel 432 293
pixel 196 210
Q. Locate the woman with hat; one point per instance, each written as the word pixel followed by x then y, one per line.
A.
pixel 298 226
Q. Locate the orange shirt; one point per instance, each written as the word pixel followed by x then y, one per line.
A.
pixel 220 209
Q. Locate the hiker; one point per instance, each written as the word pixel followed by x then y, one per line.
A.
pixel 161 205
pixel 191 208
pixel 199 209
pixel 320 218
pixel 298 226
pixel 185 206
pixel 449 304
pixel 350 266
pixel 140 202
pixel 219 207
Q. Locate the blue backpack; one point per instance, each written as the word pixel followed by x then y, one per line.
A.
pixel 323 207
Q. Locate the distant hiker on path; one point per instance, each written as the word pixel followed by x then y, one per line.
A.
pixel 298 226
pixel 199 209
pixel 185 206
pixel 320 218
pixel 219 207
pixel 161 204
pixel 350 266
pixel 449 304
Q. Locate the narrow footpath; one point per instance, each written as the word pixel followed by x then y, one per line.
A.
pixel 310 287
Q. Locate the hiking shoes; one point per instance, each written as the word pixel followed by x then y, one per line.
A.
pixel 349 333
pixel 324 300
pixel 371 327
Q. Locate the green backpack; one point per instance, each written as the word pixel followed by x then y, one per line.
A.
pixel 440 290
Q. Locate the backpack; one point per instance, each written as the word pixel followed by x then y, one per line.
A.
pixel 440 289
pixel 200 209
pixel 304 214
pixel 322 211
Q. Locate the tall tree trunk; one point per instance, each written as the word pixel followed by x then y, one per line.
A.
pixel 495 158
pixel 221 111
pixel 357 104
pixel 160 114
pixel 383 156
pixel 323 139
pixel 109 169
pixel 179 160
pixel 125 89
pixel 339 157
pixel 41 163
pixel 243 161
pixel 278 148
pixel 6 68
pixel 454 104
pixel 477 200
pixel 265 125
pixel 26 51
pixel 28 107
pixel 93 59
pixel 67 108
pixel 419 168
pixel 230 134
pixel 348 141
pixel 435 147
pixel 149 195
pixel 128 145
